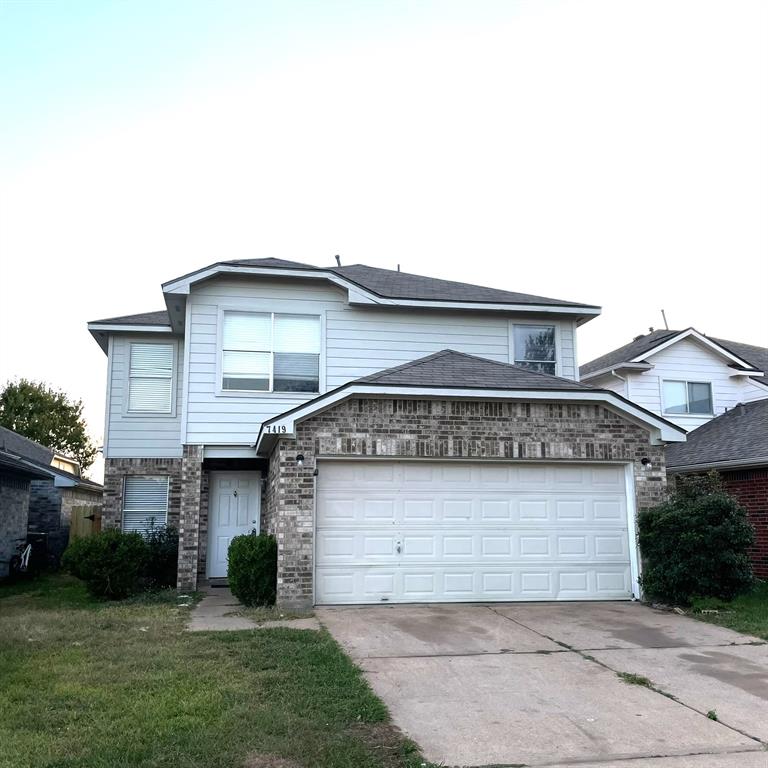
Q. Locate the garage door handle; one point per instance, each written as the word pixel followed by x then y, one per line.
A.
pixel 398 548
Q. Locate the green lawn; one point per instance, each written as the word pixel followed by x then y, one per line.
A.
pixel 87 684
pixel 747 613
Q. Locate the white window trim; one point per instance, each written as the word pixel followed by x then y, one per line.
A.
pixel 256 309
pixel 540 324
pixel 127 412
pixel 667 413
pixel 167 499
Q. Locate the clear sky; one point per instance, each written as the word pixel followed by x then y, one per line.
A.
pixel 604 151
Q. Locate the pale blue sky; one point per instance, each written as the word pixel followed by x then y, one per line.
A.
pixel 604 151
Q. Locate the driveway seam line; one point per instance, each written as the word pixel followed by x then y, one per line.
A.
pixel 656 756
pixel 584 655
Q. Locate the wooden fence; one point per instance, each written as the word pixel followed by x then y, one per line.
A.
pixel 85 521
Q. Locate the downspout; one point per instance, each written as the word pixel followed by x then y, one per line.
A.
pixel 621 379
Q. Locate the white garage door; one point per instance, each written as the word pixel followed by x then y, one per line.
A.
pixel 419 531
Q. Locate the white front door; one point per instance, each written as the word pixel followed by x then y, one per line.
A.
pixel 234 508
pixel 420 531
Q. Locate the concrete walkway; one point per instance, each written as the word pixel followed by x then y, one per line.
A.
pixel 217 612
pixel 537 684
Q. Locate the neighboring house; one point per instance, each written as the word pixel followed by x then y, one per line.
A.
pixel 15 477
pixel 736 445
pixel 56 492
pixel 685 376
pixel 405 438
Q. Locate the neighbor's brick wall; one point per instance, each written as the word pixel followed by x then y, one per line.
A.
pixel 117 469
pixel 45 513
pixel 14 508
pixel 439 429
pixel 750 487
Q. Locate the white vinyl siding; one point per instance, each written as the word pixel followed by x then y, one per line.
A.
pixel 150 378
pixel 354 342
pixel 145 503
pixel 140 434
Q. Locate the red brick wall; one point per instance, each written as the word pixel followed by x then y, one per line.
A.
pixel 750 487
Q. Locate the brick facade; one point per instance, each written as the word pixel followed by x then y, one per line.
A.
pixel 750 487
pixel 115 470
pixel 187 504
pixel 438 429
pixel 189 515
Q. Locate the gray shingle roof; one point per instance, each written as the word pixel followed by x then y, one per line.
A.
pixel 142 318
pixel 628 352
pixel 13 442
pixel 458 370
pixel 738 435
pixel 38 458
pixel 402 285
pixel 391 284
pixel 757 356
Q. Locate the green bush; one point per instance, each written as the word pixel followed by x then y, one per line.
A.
pixel 252 568
pixel 162 557
pixel 111 563
pixel 695 544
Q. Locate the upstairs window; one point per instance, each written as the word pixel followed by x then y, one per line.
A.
pixel 150 378
pixel 691 397
pixel 535 347
pixel 145 503
pixel 270 352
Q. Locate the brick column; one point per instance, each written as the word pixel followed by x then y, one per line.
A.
pixel 189 516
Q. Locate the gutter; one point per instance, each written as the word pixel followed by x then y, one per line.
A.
pixel 732 464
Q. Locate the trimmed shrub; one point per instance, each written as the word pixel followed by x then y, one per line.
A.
pixel 695 544
pixel 111 563
pixel 252 568
pixel 162 557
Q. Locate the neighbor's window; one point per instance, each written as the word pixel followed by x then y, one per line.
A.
pixel 150 378
pixel 270 352
pixel 687 397
pixel 535 347
pixel 145 503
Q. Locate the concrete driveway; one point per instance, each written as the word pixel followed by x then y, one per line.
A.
pixel 537 684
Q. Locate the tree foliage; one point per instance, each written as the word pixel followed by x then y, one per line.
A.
pixel 695 544
pixel 49 417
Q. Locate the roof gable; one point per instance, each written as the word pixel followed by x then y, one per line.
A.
pixel 643 347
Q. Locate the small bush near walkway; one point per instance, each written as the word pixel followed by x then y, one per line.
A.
pixel 115 564
pixel 695 544
pixel 252 568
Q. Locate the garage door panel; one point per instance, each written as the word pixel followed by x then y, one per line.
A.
pixel 430 531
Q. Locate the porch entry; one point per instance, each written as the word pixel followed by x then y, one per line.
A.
pixel 234 508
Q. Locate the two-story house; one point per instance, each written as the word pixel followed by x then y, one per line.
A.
pixel 405 438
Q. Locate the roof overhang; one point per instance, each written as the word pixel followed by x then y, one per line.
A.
pixel 759 461
pixel 357 294
pixel 284 425
pixel 614 369
pixel 101 331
